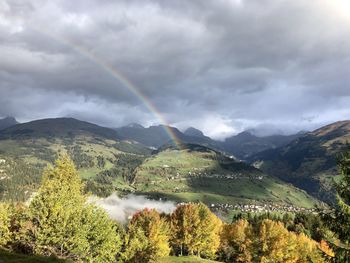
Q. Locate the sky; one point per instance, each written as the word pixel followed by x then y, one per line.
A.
pixel 222 66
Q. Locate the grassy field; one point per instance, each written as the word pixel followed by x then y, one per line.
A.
pixel 7 257
pixel 184 260
pixel 185 176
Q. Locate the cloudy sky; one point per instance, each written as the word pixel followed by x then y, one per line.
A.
pixel 219 65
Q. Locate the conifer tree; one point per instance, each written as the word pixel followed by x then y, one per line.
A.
pixel 339 220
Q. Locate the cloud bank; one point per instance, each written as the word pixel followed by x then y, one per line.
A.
pixel 218 65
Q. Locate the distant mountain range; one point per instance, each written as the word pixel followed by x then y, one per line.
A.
pixel 241 145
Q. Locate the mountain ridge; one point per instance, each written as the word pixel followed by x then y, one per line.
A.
pixel 310 161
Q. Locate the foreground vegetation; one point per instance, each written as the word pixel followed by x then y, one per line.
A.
pixel 59 222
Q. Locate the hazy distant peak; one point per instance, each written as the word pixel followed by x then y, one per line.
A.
pixel 193 132
pixel 135 125
pixel 7 122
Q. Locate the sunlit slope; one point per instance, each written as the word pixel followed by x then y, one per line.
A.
pixel 101 158
pixel 197 173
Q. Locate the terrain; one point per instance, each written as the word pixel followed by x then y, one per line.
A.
pixel 108 162
pixel 246 144
pixel 26 149
pixel 7 122
pixel 191 173
pixel 241 145
pixel 309 162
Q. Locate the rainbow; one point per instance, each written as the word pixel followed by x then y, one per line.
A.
pixel 106 67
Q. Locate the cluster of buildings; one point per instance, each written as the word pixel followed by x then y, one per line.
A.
pixel 254 208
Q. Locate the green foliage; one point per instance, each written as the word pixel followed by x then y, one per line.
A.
pixel 11 257
pixel 64 225
pixel 338 221
pixel 5 218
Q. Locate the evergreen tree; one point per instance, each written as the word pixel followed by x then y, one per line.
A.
pixel 339 220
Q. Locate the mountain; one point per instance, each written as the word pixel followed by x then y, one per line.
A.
pixel 157 136
pixel 246 144
pixel 153 136
pixel 193 172
pixel 98 152
pixel 194 132
pixel 58 127
pixel 7 122
pixel 107 163
pixel 308 162
pixel 241 145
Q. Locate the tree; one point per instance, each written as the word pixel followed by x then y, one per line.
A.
pixel 338 221
pixel 209 232
pixel 276 243
pixel 196 230
pixel 237 242
pixel 5 220
pixel 308 250
pixel 147 238
pixel 64 225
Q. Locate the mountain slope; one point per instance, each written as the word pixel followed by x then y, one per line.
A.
pixel 59 127
pixel 310 161
pixel 194 172
pixel 157 136
pixel 246 144
pixel 7 122
pixel 95 150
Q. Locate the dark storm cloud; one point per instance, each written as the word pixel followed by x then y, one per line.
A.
pixel 221 65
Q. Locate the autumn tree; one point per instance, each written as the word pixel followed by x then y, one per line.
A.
pixel 64 224
pixel 276 243
pixel 308 250
pixel 195 230
pixel 147 238
pixel 237 242
pixel 5 220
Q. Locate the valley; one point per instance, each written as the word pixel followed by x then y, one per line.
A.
pixel 182 173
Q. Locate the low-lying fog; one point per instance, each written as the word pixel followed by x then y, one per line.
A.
pixel 122 209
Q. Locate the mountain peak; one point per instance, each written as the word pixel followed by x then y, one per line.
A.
pixel 135 125
pixel 194 132
pixel 7 122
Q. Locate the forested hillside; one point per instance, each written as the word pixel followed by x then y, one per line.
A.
pixel 310 161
